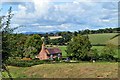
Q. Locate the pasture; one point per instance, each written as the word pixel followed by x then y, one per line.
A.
pixel 115 40
pixel 66 70
pixel 63 48
pixel 101 38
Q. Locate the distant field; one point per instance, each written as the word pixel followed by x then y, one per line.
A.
pixel 63 48
pixel 99 48
pixel 115 40
pixel 66 70
pixel 101 38
pixel 55 37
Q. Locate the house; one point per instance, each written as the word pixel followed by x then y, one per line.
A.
pixel 49 53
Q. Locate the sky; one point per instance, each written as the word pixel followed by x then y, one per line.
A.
pixel 61 15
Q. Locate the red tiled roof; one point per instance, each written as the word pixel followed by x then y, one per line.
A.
pixel 54 50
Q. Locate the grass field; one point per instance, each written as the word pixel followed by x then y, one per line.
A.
pixel 101 38
pixel 63 48
pixel 115 40
pixel 66 70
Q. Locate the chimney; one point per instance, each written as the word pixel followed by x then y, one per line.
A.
pixel 43 46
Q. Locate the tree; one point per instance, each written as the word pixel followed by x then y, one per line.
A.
pixel 6 30
pixel 7 35
pixel 79 47
pixel 66 36
pixel 75 33
pixel 17 42
pixel 32 45
pixel 46 39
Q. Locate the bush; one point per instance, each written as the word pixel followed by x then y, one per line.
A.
pixel 98 44
pixel 94 54
pixel 56 59
pixel 108 53
pixel 24 63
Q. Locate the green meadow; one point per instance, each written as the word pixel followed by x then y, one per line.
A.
pixel 63 48
pixel 101 38
pixel 66 70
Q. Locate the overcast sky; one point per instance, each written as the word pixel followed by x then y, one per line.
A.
pixel 58 15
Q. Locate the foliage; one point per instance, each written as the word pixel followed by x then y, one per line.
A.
pixel 59 41
pixel 79 47
pixel 54 41
pixel 12 43
pixel 6 30
pixel 32 45
pixel 24 63
pixel 30 52
pixel 66 36
pixel 46 39
pixel 108 53
pixel 5 22
pixel 106 30
pixel 94 54
pixel 17 44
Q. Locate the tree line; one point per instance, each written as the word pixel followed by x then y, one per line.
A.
pixel 83 32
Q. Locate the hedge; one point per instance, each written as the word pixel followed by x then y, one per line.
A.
pixel 25 63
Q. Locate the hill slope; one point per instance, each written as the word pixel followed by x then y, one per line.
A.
pixel 114 41
pixel 67 70
pixel 101 38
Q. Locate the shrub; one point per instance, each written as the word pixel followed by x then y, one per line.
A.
pixel 56 59
pixel 94 54
pixel 108 53
pixel 24 63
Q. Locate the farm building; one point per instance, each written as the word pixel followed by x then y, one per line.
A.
pixel 49 53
